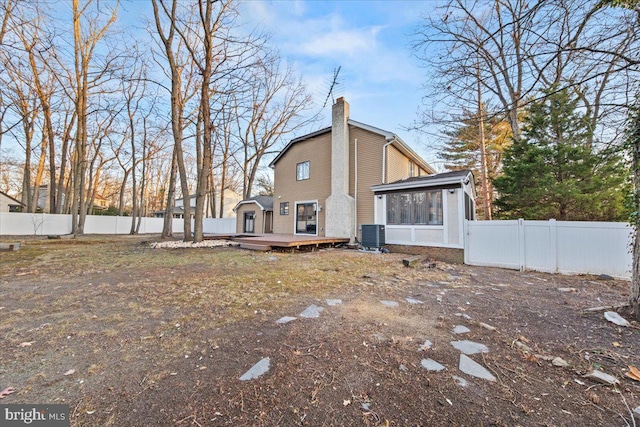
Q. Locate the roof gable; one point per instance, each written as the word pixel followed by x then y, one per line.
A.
pixel 391 137
pixel 265 203
pixel 17 202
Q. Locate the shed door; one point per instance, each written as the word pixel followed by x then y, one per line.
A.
pixel 250 222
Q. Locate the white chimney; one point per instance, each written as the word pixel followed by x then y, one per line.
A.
pixel 340 206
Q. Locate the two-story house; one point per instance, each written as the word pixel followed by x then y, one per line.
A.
pixel 330 182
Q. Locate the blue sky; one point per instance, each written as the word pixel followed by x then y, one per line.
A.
pixel 369 40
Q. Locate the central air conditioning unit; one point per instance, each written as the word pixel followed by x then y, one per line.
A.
pixel 372 236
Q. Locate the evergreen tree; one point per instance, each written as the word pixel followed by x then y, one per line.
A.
pixel 632 143
pixel 462 150
pixel 553 172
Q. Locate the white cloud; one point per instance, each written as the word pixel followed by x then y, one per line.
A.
pixel 340 42
pixel 369 40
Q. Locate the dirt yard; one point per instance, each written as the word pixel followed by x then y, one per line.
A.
pixel 128 335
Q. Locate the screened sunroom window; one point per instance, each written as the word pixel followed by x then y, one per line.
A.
pixel 415 208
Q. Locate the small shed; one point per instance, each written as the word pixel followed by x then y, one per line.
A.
pixel 254 215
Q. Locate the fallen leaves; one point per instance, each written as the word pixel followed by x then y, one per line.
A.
pixel 6 392
pixel 634 373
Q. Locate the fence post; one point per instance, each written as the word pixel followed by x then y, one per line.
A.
pixel 553 244
pixel 521 245
pixel 465 240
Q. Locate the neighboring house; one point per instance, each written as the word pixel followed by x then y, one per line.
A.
pixel 100 203
pixel 330 182
pixel 231 199
pixel 9 204
pixel 255 215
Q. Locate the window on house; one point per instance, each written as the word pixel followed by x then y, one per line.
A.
pixel 302 171
pixel 412 169
pixel 415 208
pixel 284 208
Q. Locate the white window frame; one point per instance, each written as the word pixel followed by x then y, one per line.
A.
pixel 300 167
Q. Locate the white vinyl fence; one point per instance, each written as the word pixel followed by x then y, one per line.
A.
pixel 569 247
pixel 21 224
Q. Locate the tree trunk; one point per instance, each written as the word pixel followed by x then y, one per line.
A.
pixel 486 194
pixel 143 179
pixel 167 227
pixel 122 192
pixel 63 189
pixel 634 136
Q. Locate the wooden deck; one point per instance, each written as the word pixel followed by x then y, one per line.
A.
pixel 266 242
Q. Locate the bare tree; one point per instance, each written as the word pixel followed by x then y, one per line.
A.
pixel 273 109
pixel 85 43
pixel 23 102
pixel 178 101
pixel 217 53
pixel 522 47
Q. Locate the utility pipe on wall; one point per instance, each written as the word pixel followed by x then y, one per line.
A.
pixel 355 189
pixel 384 161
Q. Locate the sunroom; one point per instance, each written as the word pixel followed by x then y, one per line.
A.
pixel 427 210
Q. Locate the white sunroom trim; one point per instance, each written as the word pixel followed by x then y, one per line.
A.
pixel 419 184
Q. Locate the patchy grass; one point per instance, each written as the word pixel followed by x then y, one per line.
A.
pixel 95 302
pixel 160 337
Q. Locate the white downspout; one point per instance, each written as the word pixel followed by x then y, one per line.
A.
pixel 384 161
pixel 355 189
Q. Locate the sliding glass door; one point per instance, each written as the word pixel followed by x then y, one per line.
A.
pixel 306 218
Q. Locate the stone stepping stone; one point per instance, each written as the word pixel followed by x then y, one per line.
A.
pixel 426 346
pixel 470 347
pixel 332 302
pixel 431 365
pixel 460 381
pixel 285 319
pixel 461 329
pixel 413 301
pixel 257 370
pixel 470 367
pixel 312 312
pixel 388 303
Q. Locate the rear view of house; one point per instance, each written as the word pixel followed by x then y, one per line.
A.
pixel 332 181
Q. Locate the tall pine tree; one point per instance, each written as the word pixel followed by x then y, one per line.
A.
pixel 462 150
pixel 553 172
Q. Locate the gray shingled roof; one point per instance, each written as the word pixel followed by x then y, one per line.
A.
pixel 437 176
pixel 265 201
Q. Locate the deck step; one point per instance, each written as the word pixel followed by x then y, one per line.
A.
pixel 255 247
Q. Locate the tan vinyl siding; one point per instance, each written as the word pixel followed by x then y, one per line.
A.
pixel 397 165
pixel 247 207
pixel 317 151
pixel 369 160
